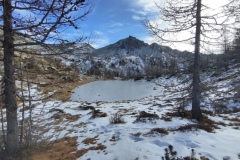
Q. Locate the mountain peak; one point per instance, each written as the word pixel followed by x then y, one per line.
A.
pixel 132 38
pixel 132 46
pixel 130 43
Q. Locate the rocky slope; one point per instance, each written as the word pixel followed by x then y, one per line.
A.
pixel 131 58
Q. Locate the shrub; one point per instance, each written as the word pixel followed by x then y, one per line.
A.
pixel 207 112
pixel 166 118
pixel 187 127
pixel 205 124
pixel 170 154
pixel 86 107
pixel 160 130
pixel 233 110
pixel 144 117
pixel 97 113
pixel 116 119
pixel 180 111
pixel 219 107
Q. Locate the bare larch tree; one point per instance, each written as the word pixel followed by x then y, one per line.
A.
pixel 191 22
pixel 41 22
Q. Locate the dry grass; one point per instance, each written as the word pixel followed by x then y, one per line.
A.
pixel 138 134
pixel 207 112
pixel 99 147
pixel 186 114
pixel 145 117
pixel 88 141
pixel 60 117
pixel 237 124
pixel 64 90
pixel 166 118
pixel 63 149
pixel 234 110
pixel 236 119
pixel 50 75
pixel 161 131
pixel 205 124
pixel 97 113
pixel 81 124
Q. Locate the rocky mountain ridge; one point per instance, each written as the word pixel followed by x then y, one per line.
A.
pixel 127 58
pixel 133 46
pixel 131 58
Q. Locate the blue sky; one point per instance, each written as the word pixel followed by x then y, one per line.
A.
pixel 112 20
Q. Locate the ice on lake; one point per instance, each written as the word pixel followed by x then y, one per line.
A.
pixel 115 90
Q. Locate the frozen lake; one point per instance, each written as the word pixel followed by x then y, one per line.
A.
pixel 115 90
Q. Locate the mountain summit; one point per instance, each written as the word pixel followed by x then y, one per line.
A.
pixel 133 46
pixel 128 46
pixel 131 43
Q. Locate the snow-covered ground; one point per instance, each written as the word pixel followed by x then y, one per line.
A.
pixel 130 141
pixel 136 141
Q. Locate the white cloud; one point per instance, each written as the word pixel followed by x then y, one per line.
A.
pixel 114 30
pixel 100 42
pixel 147 6
pixel 137 18
pixel 179 46
pixel 142 13
pixel 116 24
pixel 148 39
pixel 98 33
pixel 138 14
pixel 142 9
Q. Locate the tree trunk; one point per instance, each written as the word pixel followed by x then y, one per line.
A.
pixel 196 93
pixel 9 81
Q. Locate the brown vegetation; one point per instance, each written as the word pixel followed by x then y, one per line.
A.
pixel 205 124
pixel 65 148
pixel 161 131
pixel 88 141
pixel 116 119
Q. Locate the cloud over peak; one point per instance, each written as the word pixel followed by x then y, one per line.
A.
pixel 148 7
